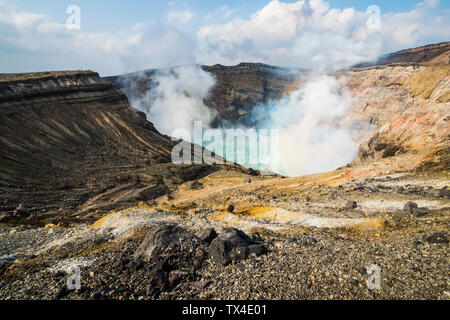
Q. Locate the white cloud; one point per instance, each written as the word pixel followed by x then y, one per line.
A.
pixel 308 34
pixel 33 42
pixel 311 34
pixel 178 98
pixel 417 27
pixel 224 12
pixel 180 16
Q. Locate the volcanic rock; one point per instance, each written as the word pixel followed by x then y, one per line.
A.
pixel 351 205
pixel 207 235
pixel 234 245
pixel 21 211
pixel 437 237
pixel 160 238
pixel 410 207
pixel 413 209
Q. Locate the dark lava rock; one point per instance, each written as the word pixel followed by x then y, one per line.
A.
pixel 196 185
pixel 4 217
pixel 410 207
pixel 164 249
pixel 21 211
pixel 97 296
pixel 234 245
pixel 230 207
pixel 437 237
pixel 207 235
pixel 443 193
pixel 5 263
pixel 160 238
pixel 62 293
pixel 421 212
pixel 158 278
pixel 351 205
pixel 413 209
pixel 248 181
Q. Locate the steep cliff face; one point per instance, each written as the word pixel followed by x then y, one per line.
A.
pixel 70 143
pixel 408 109
pixel 237 90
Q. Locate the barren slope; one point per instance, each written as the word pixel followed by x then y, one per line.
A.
pixel 70 144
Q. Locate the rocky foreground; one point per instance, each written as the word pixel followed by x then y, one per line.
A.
pixel 243 237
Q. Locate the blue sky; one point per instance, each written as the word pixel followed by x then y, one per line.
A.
pixel 119 36
pixel 100 15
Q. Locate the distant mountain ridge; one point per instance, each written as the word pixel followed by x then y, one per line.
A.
pixel 433 53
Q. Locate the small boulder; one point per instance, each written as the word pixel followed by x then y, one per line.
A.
pixel 234 245
pixel 443 193
pixel 413 209
pixel 437 237
pixel 410 207
pixel 4 217
pixel 5 263
pixel 196 185
pixel 160 238
pixel 21 211
pixel 351 205
pixel 230 207
pixel 158 278
pixel 207 235
pixel 421 212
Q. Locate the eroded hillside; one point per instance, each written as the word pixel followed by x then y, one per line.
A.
pixel 408 109
pixel 70 145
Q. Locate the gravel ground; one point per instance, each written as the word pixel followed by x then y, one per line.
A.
pixel 302 262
